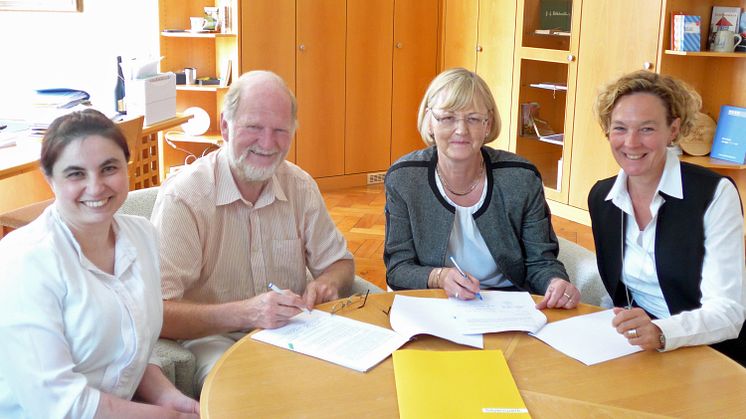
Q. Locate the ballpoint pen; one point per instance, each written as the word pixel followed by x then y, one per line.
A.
pixel 277 289
pixel 461 271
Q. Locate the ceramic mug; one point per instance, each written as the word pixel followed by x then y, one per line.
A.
pixel 726 41
pixel 197 23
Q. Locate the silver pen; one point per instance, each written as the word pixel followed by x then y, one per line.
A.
pixel 461 271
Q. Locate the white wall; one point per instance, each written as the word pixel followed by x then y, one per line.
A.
pixel 76 50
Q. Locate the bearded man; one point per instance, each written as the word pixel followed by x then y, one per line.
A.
pixel 239 219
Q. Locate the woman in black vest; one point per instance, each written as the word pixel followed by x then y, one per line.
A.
pixel 669 235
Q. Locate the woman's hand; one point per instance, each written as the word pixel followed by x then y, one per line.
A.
pixel 458 286
pixel 560 294
pixel 637 327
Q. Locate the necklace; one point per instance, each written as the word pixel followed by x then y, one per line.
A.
pixel 471 188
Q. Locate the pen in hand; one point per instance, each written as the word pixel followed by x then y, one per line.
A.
pixel 461 271
pixel 277 289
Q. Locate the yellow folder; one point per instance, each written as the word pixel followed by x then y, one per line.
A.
pixel 456 384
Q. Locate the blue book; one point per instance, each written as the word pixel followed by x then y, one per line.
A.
pixel 691 33
pixel 729 143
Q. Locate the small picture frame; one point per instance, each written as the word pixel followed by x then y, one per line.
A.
pixel 42 5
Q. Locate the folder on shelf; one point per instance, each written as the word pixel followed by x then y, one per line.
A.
pixel 455 384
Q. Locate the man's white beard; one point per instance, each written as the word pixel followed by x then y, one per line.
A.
pixel 248 172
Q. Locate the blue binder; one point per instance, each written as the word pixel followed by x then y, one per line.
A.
pixel 729 143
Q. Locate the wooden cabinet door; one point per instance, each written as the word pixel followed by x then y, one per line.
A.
pixel 460 34
pixel 617 37
pixel 496 27
pixel 370 32
pixel 414 66
pixel 268 41
pixel 268 37
pixel 320 86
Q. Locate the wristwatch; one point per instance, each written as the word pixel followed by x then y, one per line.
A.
pixel 662 340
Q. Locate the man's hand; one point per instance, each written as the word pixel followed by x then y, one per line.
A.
pixel 271 309
pixel 319 291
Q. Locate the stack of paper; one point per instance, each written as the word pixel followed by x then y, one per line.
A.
pixel 455 384
pixel 464 322
pixel 343 341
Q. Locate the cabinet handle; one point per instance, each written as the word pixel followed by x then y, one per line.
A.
pixel 647 65
pixel 479 48
pixel 399 45
pixel 570 57
pixel 302 47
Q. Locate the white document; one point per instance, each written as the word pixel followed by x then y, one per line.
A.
pixel 411 316
pixel 499 311
pixel 589 338
pixel 340 340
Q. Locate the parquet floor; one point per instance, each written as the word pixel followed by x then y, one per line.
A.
pixel 358 213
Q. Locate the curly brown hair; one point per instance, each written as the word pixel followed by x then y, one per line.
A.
pixel 680 100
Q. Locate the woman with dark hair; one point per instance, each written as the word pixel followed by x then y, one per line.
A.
pixel 80 298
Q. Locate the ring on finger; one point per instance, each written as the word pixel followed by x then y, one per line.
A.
pixel 632 333
pixel 567 296
pixel 456 295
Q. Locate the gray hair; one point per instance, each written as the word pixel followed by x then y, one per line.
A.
pixel 233 97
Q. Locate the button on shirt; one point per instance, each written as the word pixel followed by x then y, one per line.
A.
pixel 216 247
pixel 68 330
pixel 723 271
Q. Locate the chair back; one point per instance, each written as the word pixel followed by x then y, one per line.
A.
pixel 132 130
pixel 140 202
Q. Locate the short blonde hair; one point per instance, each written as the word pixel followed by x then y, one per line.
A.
pixel 680 100
pixel 456 89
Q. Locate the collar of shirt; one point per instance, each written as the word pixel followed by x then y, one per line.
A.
pixel 227 190
pixel 124 251
pixel 670 184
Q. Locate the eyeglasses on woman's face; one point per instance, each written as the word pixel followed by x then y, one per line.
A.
pixel 448 121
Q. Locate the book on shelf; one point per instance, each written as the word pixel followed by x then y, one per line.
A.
pixel 686 30
pixel 729 143
pixel 672 36
pixel 555 15
pixel 723 19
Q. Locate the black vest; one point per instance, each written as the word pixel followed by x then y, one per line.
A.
pixel 679 240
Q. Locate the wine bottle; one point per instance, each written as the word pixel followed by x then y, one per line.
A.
pixel 119 89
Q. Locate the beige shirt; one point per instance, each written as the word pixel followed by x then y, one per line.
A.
pixel 215 247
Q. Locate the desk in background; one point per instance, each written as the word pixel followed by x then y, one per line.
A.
pixel 254 379
pixel 21 181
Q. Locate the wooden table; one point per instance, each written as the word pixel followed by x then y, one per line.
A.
pixel 254 379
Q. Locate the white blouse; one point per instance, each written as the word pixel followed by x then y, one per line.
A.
pixel 467 245
pixel 723 269
pixel 68 330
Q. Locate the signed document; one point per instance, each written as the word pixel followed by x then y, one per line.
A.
pixel 464 322
pixel 337 339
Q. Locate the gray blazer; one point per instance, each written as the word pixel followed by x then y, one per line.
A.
pixel 514 222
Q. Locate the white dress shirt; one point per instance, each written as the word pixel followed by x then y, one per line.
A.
pixel 68 330
pixel 723 272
